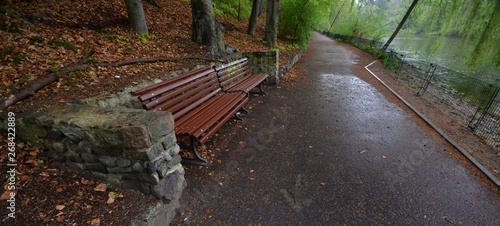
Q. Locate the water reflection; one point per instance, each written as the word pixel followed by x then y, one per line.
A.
pixel 449 52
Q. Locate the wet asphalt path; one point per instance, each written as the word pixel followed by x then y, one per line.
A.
pixel 330 149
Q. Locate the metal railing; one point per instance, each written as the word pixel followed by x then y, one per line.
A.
pixel 473 102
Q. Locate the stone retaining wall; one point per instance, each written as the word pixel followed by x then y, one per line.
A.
pixel 288 65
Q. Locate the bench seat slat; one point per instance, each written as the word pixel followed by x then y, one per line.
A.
pixel 203 123
pixel 228 72
pixel 173 85
pixel 224 120
pixel 152 87
pixel 188 97
pixel 155 102
pixel 208 100
pixel 236 76
pixel 248 83
pixel 231 81
pixel 194 105
pixel 200 118
pixel 231 64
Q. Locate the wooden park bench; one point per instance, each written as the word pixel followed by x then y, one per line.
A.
pixel 236 77
pixel 198 104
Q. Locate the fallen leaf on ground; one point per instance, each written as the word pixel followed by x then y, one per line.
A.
pixel 110 200
pixel 60 218
pixel 112 196
pixel 6 195
pixel 84 181
pixel 100 187
pixel 95 222
pixel 60 207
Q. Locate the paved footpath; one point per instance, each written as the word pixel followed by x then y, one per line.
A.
pixel 330 149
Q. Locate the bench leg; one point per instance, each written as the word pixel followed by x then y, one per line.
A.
pixel 261 91
pixel 242 109
pixel 237 116
pixel 197 159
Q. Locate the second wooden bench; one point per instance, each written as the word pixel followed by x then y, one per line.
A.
pixel 236 77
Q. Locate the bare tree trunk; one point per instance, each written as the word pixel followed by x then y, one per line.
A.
pixel 408 12
pixel 253 17
pixel 272 16
pixel 136 17
pixel 205 28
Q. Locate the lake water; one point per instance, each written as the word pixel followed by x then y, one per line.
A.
pixel 447 52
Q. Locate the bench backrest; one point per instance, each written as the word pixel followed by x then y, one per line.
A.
pixel 180 94
pixel 229 74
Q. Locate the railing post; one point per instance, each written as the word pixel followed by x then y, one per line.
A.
pixel 429 76
pixel 401 64
pixel 486 109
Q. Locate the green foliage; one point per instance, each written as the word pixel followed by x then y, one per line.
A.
pixel 9 27
pixel 65 44
pixel 368 19
pixel 299 17
pixel 36 39
pixel 122 39
pixel 107 35
pixel 389 61
pixel 476 25
pixel 143 38
pixel 23 80
pixel 229 8
pixel 17 59
pixel 40 164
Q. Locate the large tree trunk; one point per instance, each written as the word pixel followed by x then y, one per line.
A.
pixel 136 17
pixel 252 22
pixel 205 28
pixel 400 25
pixel 272 16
